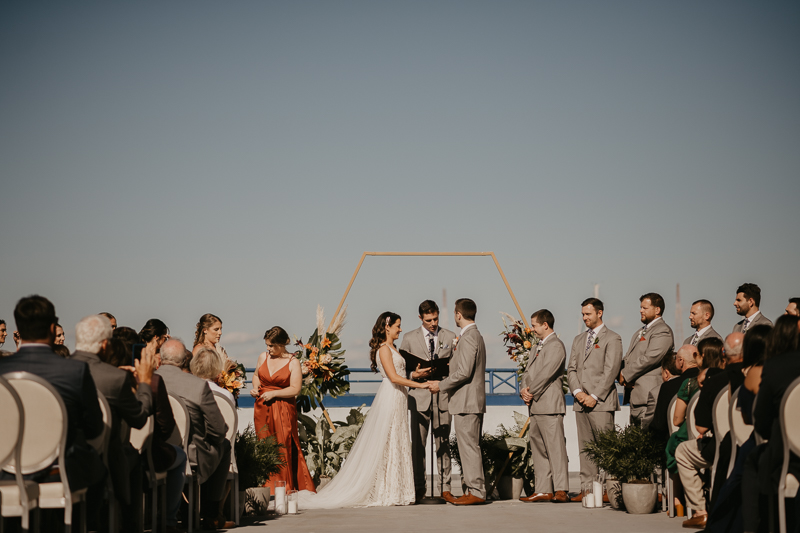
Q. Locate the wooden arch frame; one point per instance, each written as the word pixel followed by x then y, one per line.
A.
pixel 430 254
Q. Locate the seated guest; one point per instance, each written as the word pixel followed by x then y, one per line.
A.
pixel 669 371
pixel 92 336
pixel 36 323
pixel 728 507
pixel 61 351
pixel 690 456
pixel 206 364
pixel 60 336
pixel 3 335
pixel 111 318
pixel 687 367
pixel 793 308
pixel 209 450
pixel 166 457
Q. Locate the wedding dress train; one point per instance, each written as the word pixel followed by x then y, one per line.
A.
pixel 378 470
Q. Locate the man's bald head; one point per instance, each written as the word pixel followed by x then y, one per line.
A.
pixel 686 356
pixel 173 352
pixel 733 347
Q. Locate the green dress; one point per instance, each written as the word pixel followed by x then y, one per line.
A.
pixel 687 390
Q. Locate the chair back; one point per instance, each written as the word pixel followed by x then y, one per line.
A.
pixel 182 422
pixel 720 416
pixel 45 433
pixel 692 431
pixel 790 428
pixel 740 431
pixel 671 415
pixel 13 424
pixel 228 410
pixel 141 438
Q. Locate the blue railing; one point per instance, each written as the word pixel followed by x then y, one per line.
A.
pixel 501 388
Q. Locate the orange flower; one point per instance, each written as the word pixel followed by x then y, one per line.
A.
pixel 326 342
pixel 315 350
pixel 307 346
pixel 527 345
pixel 527 331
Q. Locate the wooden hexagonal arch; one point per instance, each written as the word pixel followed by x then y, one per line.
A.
pixel 430 254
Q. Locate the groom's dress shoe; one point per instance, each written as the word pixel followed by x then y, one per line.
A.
pixel 448 496
pixel 578 498
pixel 561 497
pixel 538 497
pixel 697 522
pixel 469 499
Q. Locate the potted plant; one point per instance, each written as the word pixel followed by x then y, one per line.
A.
pixel 256 459
pixel 518 471
pixel 324 450
pixel 630 455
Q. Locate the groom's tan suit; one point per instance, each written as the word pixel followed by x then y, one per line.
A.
pixel 466 388
pixel 547 409
pixel 428 409
pixel 594 365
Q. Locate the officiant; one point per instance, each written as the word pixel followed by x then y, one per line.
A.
pixel 429 342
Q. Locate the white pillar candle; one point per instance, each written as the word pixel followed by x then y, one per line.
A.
pixel 588 500
pixel 280 500
pixel 597 488
pixel 292 506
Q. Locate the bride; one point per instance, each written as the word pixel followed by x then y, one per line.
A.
pixel 377 472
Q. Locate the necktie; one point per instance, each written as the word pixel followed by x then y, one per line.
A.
pixel 644 329
pixel 746 323
pixel 430 345
pixel 589 338
pixel 694 339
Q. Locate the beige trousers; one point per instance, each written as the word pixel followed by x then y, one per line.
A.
pixel 690 462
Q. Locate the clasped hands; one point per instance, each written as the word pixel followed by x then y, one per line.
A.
pixel 267 396
pixel 585 400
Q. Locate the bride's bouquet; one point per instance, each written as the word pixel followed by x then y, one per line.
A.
pixel 519 340
pixel 322 363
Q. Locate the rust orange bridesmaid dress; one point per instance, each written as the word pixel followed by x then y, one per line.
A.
pixel 278 417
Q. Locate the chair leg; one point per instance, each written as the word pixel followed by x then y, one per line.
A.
pixel 163 527
pixel 781 511
pixel 670 497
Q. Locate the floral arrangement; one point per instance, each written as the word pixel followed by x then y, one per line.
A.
pixel 232 377
pixel 325 450
pixel 322 362
pixel 518 339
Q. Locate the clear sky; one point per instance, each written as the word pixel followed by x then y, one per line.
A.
pixel 172 159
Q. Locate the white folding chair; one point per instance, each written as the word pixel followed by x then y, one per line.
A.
pixel 228 410
pixel 790 429
pixel 720 417
pixel 740 431
pixel 691 429
pixel 101 443
pixel 182 426
pixel 44 441
pixel 17 497
pixel 142 440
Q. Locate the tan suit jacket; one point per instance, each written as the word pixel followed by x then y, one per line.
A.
pixel 543 378
pixel 596 371
pixel 466 384
pixel 642 363
pixel 759 320
pixel 709 333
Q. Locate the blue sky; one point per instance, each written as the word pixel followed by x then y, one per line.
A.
pixel 168 160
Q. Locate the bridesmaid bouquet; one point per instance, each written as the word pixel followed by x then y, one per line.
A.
pixel 232 377
pixel 518 339
pixel 322 362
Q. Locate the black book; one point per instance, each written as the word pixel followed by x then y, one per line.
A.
pixel 441 367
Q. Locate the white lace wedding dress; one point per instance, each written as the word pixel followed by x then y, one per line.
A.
pixel 378 471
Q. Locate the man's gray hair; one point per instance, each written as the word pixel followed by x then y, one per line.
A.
pixel 206 364
pixel 90 333
pixel 173 352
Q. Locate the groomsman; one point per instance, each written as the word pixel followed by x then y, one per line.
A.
pixel 641 369
pixel 594 364
pixel 466 388
pixel 748 299
pixel 544 394
pixel 429 342
pixel 700 317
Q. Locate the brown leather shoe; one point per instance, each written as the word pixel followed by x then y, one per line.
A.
pixel 448 496
pixel 538 497
pixel 561 497
pixel 578 498
pixel 469 499
pixel 696 522
pixel 221 523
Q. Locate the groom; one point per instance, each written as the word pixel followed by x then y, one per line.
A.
pixel 466 388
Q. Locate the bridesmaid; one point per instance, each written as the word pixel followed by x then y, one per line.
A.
pixel 276 384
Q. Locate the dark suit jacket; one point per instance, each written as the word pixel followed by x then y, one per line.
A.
pixel 777 375
pixel 74 383
pixel 208 427
pixel 669 389
pixel 117 386
pixel 163 452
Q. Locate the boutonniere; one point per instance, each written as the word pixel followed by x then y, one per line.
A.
pixel 443 346
pixel 596 342
pixel 641 338
pixel 455 343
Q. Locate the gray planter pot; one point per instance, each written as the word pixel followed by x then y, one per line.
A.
pixel 517 484
pixel 323 480
pixel 256 501
pixel 509 488
pixel 639 498
pixel 614 491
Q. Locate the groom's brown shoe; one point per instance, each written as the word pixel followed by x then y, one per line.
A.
pixel 448 497
pixel 561 497
pixel 469 499
pixel 578 498
pixel 538 497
